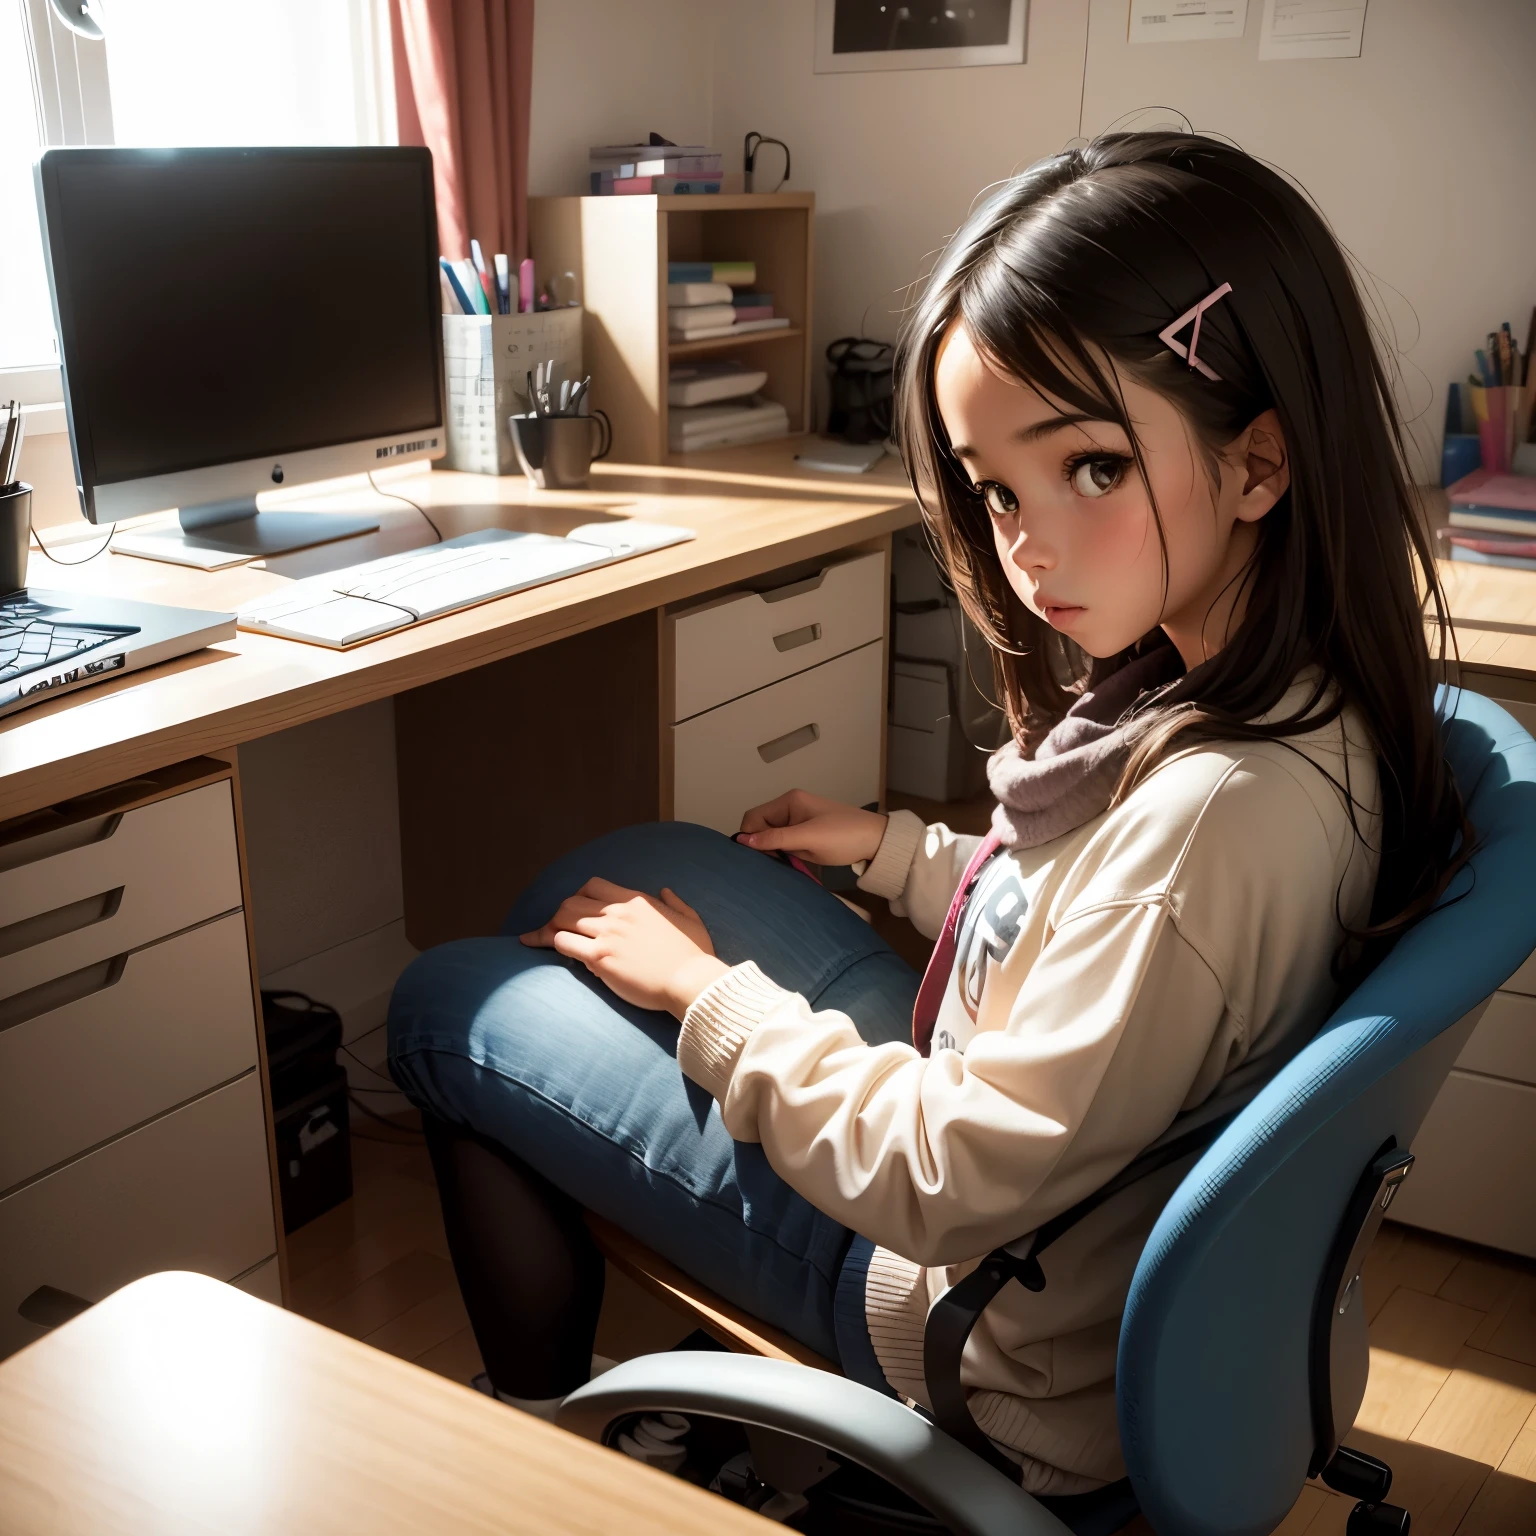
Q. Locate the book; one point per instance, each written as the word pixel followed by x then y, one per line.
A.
pixel 654 186
pixel 701 317
pixel 635 154
pixel 739 274
pixel 658 162
pixel 689 294
pixel 693 428
pixel 692 421
pixel 740 328
pixel 744 296
pixel 706 383
pixel 753 312
pixel 1487 488
pixel 1492 519
pixel 1492 543
pixel 1477 557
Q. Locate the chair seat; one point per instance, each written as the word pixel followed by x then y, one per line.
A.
pixel 729 1325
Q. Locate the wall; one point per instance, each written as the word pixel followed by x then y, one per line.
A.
pixel 895 158
pixel 607 71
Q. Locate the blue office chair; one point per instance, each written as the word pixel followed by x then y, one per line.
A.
pixel 1243 1348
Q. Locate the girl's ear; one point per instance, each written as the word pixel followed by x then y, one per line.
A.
pixel 1266 466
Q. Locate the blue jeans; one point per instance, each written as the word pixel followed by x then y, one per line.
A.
pixel 530 1051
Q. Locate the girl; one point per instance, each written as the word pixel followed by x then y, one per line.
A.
pixel 1158 456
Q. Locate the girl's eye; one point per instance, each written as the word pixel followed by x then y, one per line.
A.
pixel 1001 502
pixel 1096 476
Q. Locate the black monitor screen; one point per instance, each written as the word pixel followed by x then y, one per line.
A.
pixel 220 305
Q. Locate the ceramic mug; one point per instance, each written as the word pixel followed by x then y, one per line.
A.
pixel 15 526
pixel 556 452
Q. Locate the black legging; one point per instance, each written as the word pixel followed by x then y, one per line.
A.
pixel 531 1276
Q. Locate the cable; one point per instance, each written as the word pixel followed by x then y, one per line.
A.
pixel 100 548
pixel 396 496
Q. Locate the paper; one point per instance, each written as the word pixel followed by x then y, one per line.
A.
pixel 1187 21
pixel 1312 29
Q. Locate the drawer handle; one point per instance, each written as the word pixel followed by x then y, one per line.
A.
pixel 790 741
pixel 792 639
pixel 31 931
pixel 48 1306
pixel 61 991
pixel 53 841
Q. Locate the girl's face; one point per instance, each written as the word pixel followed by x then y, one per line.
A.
pixel 1072 518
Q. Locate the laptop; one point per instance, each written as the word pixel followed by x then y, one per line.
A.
pixel 56 642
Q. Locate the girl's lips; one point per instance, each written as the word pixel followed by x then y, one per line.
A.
pixel 1061 615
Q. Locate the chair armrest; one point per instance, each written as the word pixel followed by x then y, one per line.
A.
pixel 851 1421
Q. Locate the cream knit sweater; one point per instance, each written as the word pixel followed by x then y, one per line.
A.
pixel 1157 956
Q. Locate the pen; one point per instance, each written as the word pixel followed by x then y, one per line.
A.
pixel 478 257
pixel 1484 369
pixel 465 303
pixel 503 285
pixel 1503 337
pixel 5 447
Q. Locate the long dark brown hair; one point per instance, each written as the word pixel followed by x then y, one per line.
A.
pixel 1063 279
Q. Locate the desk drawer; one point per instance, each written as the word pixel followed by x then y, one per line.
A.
pixel 1473 1157
pixel 188 1191
pixel 750 639
pixel 118 882
pixel 158 1027
pixel 818 731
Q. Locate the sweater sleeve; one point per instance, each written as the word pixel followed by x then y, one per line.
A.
pixel 942 1158
pixel 917 869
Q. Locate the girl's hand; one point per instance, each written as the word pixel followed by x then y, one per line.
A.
pixel 816 830
pixel 654 953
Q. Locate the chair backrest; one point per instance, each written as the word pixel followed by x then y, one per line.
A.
pixel 1213 1376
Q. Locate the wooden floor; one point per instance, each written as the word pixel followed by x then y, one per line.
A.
pixel 1451 1403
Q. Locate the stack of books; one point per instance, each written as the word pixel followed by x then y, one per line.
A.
pixel 711 299
pixel 1493 519
pixel 619 169
pixel 726 425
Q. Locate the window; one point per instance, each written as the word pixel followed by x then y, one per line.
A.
pixel 170 72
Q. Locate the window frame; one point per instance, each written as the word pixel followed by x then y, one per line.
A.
pixel 72 98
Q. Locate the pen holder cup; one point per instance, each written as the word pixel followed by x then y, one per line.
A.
pixel 15 527
pixel 556 452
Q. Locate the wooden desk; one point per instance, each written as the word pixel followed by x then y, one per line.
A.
pixel 754 510
pixel 1494 610
pixel 180 1405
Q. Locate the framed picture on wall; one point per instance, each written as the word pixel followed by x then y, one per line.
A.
pixel 918 34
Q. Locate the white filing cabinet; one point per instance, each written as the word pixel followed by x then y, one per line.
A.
pixel 133 1132
pixel 1474 1153
pixel 778 688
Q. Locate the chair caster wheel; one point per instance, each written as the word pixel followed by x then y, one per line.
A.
pixel 1377 1520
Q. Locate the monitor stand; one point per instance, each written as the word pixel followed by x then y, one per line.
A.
pixel 223 533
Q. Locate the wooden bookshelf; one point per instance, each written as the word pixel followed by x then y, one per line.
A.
pixel 619 248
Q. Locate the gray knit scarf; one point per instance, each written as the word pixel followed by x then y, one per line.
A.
pixel 1074 770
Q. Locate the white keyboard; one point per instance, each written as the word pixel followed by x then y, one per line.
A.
pixel 362 602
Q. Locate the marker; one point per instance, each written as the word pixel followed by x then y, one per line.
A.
pixel 470 279
pixel 503 285
pixel 525 286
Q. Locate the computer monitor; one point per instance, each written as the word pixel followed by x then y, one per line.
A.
pixel 231 320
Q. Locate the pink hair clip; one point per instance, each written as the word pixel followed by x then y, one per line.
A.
pixel 1166 334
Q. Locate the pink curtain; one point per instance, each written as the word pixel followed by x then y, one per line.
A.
pixel 463 76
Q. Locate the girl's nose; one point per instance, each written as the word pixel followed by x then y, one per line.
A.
pixel 1030 552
